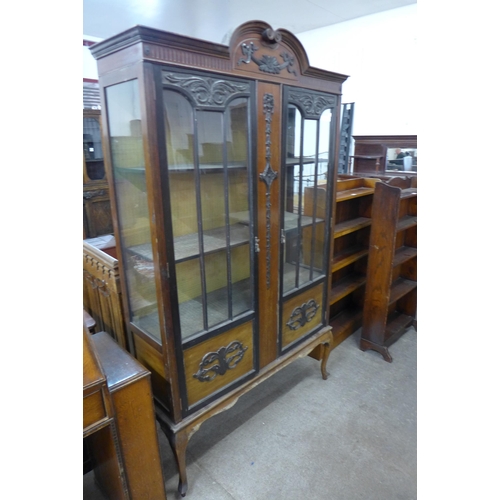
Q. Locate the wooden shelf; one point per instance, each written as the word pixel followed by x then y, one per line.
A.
pixel 403 254
pixel 397 324
pixel 290 162
pixel 406 222
pixel 400 288
pixel 350 226
pixel 353 199
pixel 408 193
pixel 291 219
pixel 345 286
pixel 349 194
pixel 346 257
pixel 187 246
pixel 191 311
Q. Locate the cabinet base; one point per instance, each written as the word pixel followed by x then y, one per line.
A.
pixel 382 349
pixel 395 329
pixel 179 434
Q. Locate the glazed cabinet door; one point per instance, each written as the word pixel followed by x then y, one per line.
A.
pixel 308 171
pixel 206 137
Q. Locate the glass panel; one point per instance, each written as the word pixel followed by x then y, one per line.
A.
pixel 127 158
pixel 305 197
pixel 179 127
pixel 238 204
pixel 307 219
pixel 315 198
pixel 292 186
pixel 213 208
pixel 92 148
pixel 209 206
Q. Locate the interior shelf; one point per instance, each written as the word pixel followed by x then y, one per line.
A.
pixel 408 193
pixel 187 246
pixel 403 254
pixel 406 222
pixel 191 311
pixel 397 323
pixel 400 288
pixel 345 286
pixel 350 226
pixel 305 161
pixel 289 275
pixel 291 219
pixel 349 194
pixel 346 257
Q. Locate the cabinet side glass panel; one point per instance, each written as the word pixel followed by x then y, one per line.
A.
pixel 127 158
pixel 307 153
pixel 207 155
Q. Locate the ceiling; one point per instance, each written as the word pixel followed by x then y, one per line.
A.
pixel 214 20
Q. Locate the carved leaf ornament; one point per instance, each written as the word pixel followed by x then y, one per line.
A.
pixel 266 64
pixel 302 315
pixel 206 91
pixel 313 104
pixel 226 358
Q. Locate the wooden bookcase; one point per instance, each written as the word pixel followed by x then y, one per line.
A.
pixel 351 233
pixel 224 271
pixel 353 219
pixel 391 290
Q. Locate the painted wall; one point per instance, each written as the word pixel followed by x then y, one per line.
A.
pixel 379 53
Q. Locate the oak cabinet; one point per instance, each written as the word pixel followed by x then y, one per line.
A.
pixel 224 259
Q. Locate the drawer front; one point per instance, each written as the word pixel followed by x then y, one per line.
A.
pixel 93 409
pixel 301 314
pixel 219 361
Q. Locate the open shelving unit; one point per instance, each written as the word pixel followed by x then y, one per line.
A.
pixel 351 233
pixel 391 288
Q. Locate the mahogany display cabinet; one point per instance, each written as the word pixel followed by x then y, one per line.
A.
pixel 209 149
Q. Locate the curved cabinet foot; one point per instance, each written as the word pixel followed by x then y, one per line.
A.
pixel 178 442
pixel 383 350
pixel 325 354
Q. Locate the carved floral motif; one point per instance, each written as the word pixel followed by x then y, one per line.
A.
pixel 302 314
pixel 313 104
pixel 226 358
pixel 206 91
pixel 266 64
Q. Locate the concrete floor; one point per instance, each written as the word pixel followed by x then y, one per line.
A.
pixel 353 436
